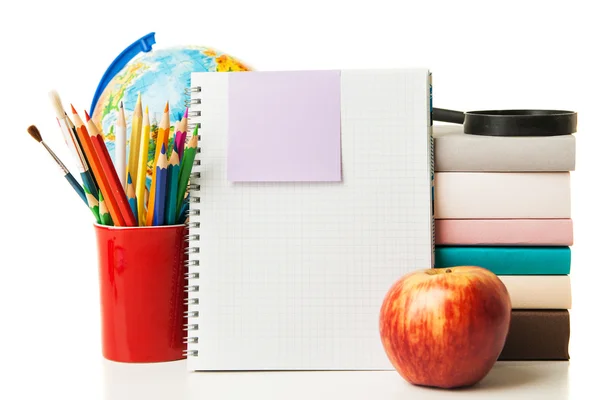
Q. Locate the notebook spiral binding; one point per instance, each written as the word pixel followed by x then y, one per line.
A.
pixel 193 274
pixel 432 169
pixel 432 166
pixel 188 95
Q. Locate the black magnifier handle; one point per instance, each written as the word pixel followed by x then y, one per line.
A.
pixel 443 115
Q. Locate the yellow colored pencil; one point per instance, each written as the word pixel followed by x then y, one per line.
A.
pixel 140 183
pixel 134 140
pixel 164 130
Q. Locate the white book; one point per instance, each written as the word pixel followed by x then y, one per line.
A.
pixel 504 195
pixel 456 151
pixel 538 291
pixel 289 266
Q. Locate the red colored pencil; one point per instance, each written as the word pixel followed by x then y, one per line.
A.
pixel 108 167
pixel 96 166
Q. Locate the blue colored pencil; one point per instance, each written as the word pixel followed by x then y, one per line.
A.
pixel 172 180
pixel 160 196
pixel 131 197
pixel 183 213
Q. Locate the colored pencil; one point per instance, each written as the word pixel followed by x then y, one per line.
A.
pixel 35 133
pixel 89 179
pixel 121 146
pixel 70 137
pixel 111 174
pixel 176 135
pixel 105 218
pixel 161 187
pixel 164 130
pixel 180 140
pixel 187 163
pixel 103 170
pixel 172 181
pixel 140 183
pixel 131 196
pixel 134 140
pixel 97 169
pixel 183 213
pixel 93 204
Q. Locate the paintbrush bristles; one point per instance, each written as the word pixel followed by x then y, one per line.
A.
pixel 57 104
pixel 35 133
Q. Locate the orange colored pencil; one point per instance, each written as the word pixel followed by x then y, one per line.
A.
pixel 96 166
pixel 112 177
pixel 164 130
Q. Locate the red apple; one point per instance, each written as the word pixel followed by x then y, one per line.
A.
pixel 445 327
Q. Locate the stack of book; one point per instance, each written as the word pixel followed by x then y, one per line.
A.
pixel 503 203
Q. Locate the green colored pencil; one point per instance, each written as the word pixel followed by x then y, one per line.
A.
pixel 189 154
pixel 105 218
pixel 131 198
pixel 172 181
pixel 93 204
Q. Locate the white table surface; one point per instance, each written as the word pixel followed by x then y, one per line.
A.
pixel 108 380
pixel 547 380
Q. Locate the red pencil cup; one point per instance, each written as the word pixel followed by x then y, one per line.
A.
pixel 142 292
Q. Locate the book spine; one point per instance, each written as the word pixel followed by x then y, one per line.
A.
pixel 537 335
pixel 504 232
pixel 458 152
pixel 508 260
pixel 538 291
pixel 497 195
pixel 193 273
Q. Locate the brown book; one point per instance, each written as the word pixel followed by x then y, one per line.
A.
pixel 537 335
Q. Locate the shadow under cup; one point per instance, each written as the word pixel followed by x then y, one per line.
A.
pixel 142 292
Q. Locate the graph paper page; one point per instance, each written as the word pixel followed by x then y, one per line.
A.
pixel 291 275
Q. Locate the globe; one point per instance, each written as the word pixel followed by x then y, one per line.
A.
pixel 158 76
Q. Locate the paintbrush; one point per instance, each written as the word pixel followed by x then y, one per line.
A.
pixel 70 136
pixel 35 133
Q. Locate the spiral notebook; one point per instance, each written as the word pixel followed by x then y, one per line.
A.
pixel 310 196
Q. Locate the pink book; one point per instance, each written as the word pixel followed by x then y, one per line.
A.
pixel 513 232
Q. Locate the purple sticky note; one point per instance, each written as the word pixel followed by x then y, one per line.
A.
pixel 284 126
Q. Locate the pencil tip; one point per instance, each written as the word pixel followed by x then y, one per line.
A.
pixel 87 116
pixel 162 149
pixel 73 109
pixel 146 109
pixel 167 107
pixel 121 105
pixel 128 178
pixel 186 113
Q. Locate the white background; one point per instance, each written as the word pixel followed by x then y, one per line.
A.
pixel 483 55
